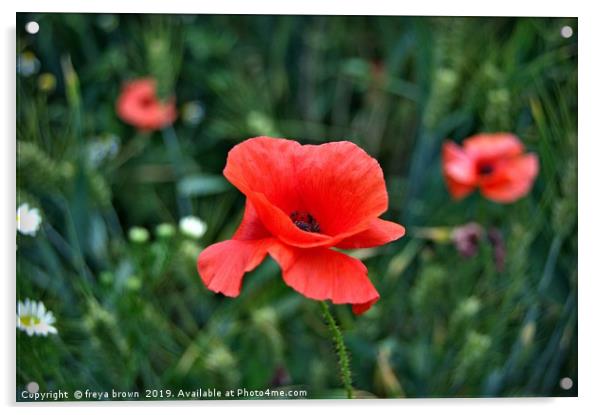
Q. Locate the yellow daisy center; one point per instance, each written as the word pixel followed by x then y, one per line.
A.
pixel 29 320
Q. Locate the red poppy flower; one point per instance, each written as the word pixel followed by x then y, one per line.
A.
pixel 303 200
pixel 495 163
pixel 138 105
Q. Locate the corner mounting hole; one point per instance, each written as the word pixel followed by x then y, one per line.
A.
pixel 566 383
pixel 32 28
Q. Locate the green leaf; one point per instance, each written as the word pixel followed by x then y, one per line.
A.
pixel 202 185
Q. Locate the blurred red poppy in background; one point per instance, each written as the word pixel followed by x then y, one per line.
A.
pixel 139 106
pixel 303 200
pixel 495 163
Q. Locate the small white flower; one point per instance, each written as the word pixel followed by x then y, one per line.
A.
pixel 193 227
pixel 33 318
pixel 28 220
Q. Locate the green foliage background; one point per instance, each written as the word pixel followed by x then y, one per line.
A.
pixel 133 316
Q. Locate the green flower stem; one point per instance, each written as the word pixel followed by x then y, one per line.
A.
pixel 337 339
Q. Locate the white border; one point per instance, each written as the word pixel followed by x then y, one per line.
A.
pixel 375 7
pixel 590 151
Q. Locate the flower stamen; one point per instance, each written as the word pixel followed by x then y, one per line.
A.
pixel 146 101
pixel 485 169
pixel 305 221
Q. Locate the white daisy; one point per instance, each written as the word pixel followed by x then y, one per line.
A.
pixel 28 220
pixel 33 318
pixel 193 227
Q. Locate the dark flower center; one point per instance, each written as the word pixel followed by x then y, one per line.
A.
pixel 146 101
pixel 485 169
pixel 305 221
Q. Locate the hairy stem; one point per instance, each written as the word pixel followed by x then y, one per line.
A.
pixel 337 339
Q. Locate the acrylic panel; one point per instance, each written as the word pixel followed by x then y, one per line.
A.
pixel 295 207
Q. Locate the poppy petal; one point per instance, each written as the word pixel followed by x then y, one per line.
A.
pixel 138 105
pixel 512 180
pixel 362 308
pixel 222 265
pixel 251 227
pixel 378 233
pixel 458 170
pixel 281 225
pixel 458 190
pixel 265 165
pixel 458 165
pixel 263 169
pixel 324 274
pixel 493 146
pixel 341 185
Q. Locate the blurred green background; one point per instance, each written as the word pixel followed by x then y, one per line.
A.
pixel 135 315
